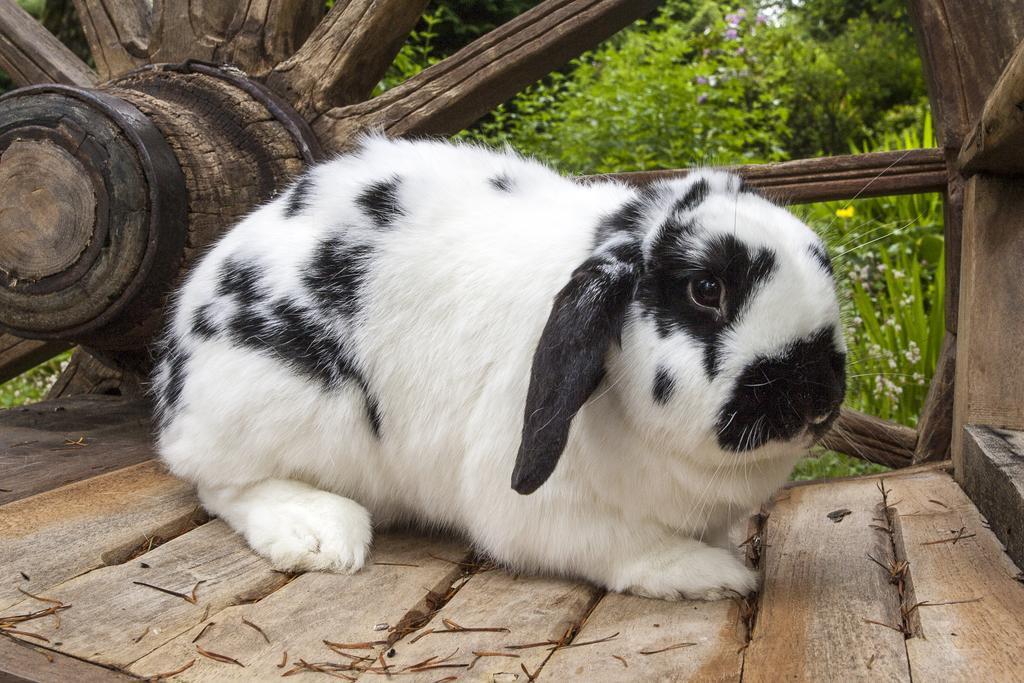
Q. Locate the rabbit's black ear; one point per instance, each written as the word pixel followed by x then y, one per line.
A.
pixel 569 361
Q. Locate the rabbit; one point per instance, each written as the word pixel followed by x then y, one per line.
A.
pixel 584 379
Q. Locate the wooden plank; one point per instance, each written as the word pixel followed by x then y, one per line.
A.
pixel 820 588
pixel 25 662
pixel 113 621
pixel 872 439
pixel 935 426
pixel 118 33
pixel 56 443
pixel 54 536
pixel 977 640
pixel 989 376
pixel 689 641
pixel 31 54
pixel 995 142
pixel 405 570
pixel 533 609
pixel 993 477
pixel 18 355
pixel 850 176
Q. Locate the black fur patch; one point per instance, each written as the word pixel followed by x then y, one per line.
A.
pixel 821 256
pixel 202 324
pixel 776 397
pixel 171 390
pixel 568 365
pixel 501 182
pixel 664 288
pixel 628 220
pixel 380 201
pixel 694 197
pixel 335 275
pixel 241 280
pixel 298 197
pixel 664 384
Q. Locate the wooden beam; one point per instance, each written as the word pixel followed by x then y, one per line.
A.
pixel 31 54
pixel 21 661
pixel 993 476
pixel 850 176
pixel 347 55
pixel 989 376
pixel 18 355
pixel 935 426
pixel 996 143
pixel 118 33
pixel 872 439
pixel 454 93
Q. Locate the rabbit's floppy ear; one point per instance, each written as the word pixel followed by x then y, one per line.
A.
pixel 569 361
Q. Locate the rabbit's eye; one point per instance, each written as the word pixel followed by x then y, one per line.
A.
pixel 707 292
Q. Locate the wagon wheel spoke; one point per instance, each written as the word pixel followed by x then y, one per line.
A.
pixel 31 54
pixel 117 32
pixel 450 95
pixel 253 36
pixel 347 55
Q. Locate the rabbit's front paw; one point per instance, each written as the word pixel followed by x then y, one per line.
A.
pixel 691 571
pixel 319 531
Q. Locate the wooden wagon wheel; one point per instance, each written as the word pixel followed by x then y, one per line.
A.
pixel 113 181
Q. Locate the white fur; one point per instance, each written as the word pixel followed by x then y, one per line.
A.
pixel 456 298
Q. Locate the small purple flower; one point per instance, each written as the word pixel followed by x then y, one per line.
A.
pixel 762 19
pixel 701 80
pixel 741 50
pixel 702 98
pixel 731 34
pixel 741 12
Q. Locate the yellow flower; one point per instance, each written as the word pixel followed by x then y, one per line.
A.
pixel 846 212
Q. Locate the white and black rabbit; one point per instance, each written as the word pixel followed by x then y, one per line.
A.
pixel 428 331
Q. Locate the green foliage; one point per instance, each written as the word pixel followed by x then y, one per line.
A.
pixel 829 464
pixel 32 386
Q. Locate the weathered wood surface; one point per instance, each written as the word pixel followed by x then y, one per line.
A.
pixel 22 661
pixel 828 178
pixel 872 439
pixel 57 535
pixel 31 54
pixel 18 355
pixel 997 137
pixel 820 588
pixel 530 609
pixel 656 641
pixel 87 374
pixel 993 477
pixel 454 93
pixel 989 375
pixel 935 426
pixel 969 619
pixel 347 54
pixel 54 443
pixel 118 32
pixel 398 586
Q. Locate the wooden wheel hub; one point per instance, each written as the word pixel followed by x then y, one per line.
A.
pixel 106 194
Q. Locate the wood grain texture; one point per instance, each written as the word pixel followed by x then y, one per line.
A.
pixel 935 426
pixel 18 355
pixel 317 607
pixel 872 439
pixel 533 609
pixel 20 661
pixel 118 33
pixel 450 95
pixel 993 477
pixel 57 535
pixel 997 137
pixel 967 639
pixel 41 450
pixel 989 376
pixel 820 587
pixel 851 176
pixel 92 373
pixel 254 36
pixel 109 612
pixel 347 54
pixel 713 629
pixel 30 54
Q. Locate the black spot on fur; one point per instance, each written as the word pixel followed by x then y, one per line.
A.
pixel 298 197
pixel 777 397
pixel 501 183
pixel 821 256
pixel 335 275
pixel 372 412
pixel 664 384
pixel 241 280
pixel 202 323
pixel 628 220
pixel 664 288
pixel 170 391
pixel 694 197
pixel 380 202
